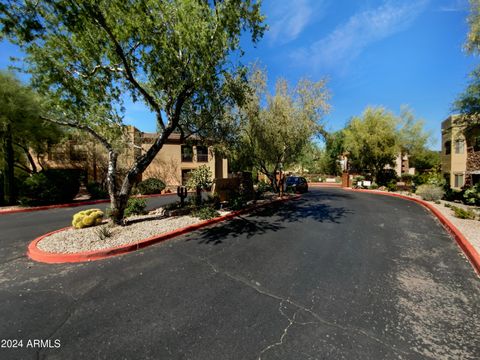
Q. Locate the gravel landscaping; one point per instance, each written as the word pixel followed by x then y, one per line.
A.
pixel 139 228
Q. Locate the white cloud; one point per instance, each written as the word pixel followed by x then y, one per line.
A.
pixel 454 6
pixel 349 39
pixel 287 19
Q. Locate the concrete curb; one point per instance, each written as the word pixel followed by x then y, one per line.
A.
pixel 471 253
pixel 36 254
pixel 77 204
pixel 321 184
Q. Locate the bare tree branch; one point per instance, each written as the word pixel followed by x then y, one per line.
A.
pixel 86 128
pixel 97 14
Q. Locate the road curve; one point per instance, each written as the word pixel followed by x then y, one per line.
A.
pixel 333 275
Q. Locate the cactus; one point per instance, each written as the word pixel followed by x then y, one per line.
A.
pixel 87 218
pixel 182 193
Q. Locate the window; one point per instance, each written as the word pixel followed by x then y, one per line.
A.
pixel 185 176
pixel 187 153
pixel 448 147
pixel 458 180
pixel 459 146
pixel 202 154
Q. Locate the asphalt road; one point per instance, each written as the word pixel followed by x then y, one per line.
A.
pixel 334 275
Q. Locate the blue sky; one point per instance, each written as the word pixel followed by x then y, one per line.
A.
pixel 373 52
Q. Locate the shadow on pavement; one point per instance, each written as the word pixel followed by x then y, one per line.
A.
pixel 273 218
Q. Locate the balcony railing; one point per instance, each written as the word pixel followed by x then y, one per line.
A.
pixel 202 157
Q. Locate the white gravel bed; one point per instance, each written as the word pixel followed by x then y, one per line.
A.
pixel 87 239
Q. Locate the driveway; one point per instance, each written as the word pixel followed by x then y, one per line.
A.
pixel 332 275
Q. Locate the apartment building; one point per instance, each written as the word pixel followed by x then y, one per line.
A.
pixel 172 164
pixel 460 152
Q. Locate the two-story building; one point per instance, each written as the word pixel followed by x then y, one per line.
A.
pixel 460 152
pixel 172 164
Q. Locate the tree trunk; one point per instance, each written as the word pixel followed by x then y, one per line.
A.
pixel 31 161
pixel 9 177
pixel 117 206
pixel 119 199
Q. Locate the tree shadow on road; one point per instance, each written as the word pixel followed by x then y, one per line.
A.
pixel 274 218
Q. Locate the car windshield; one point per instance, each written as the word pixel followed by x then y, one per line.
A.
pixel 292 180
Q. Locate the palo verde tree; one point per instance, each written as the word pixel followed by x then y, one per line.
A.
pixel 371 140
pixel 171 55
pixel 22 131
pixel 275 128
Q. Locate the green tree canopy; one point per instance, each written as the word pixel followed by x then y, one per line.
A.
pixel 371 140
pixel 468 102
pixel 335 147
pixel 171 55
pixel 21 129
pixel 276 128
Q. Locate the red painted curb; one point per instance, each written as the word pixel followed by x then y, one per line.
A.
pixel 36 254
pixel 471 253
pixel 80 203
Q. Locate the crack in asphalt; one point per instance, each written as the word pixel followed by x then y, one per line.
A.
pixel 265 292
pixel 291 321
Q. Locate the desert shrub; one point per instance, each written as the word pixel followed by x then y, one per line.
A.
pixel 103 232
pixel 97 190
pixel 200 177
pixel 392 185
pixel 237 202
pixel 213 201
pixel 471 196
pixel 452 194
pixel 150 186
pixel 407 178
pixel 135 206
pixel 373 186
pixel 430 178
pixel 386 177
pixel 87 218
pixel 205 213
pixel 462 213
pixel 51 186
pixel 262 188
pixel 430 192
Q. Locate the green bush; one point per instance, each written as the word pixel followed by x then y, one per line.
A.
pixel 213 201
pixel 407 178
pixel 135 206
pixel 452 194
pixel 471 196
pixel 150 186
pixel 97 191
pixel 386 177
pixel 237 202
pixel 205 213
pixel 51 186
pixel 373 186
pixel 430 192
pixel 392 185
pixel 463 214
pixel 430 178
pixel 87 218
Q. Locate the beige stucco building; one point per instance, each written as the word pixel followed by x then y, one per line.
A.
pixel 172 164
pixel 454 152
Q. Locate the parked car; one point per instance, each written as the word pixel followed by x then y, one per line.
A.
pixel 296 184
